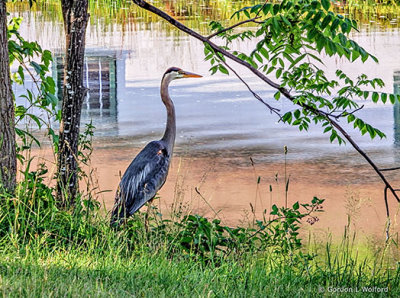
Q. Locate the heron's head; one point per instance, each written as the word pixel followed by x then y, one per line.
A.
pixel 174 73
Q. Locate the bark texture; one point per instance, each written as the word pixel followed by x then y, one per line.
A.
pixel 75 14
pixel 8 162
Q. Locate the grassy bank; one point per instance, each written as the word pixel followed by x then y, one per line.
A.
pixel 49 251
pixel 154 274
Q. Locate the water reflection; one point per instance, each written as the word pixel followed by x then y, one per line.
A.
pixel 197 14
pixel 215 115
pixel 104 75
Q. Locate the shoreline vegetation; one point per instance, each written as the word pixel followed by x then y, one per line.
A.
pixel 196 15
pixel 51 250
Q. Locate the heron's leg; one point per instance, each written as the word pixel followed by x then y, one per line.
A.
pixel 146 217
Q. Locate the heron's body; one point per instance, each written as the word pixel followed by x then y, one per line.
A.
pixel 148 171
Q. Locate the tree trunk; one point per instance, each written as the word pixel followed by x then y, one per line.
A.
pixel 75 14
pixel 8 162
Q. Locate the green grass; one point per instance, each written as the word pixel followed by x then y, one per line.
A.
pixel 149 274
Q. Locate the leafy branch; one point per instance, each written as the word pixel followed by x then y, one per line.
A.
pixel 25 53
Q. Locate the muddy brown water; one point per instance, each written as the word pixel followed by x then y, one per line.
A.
pixel 228 185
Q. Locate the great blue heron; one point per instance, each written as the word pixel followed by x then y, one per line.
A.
pixel 148 171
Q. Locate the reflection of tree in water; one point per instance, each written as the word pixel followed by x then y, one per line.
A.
pixel 188 10
pixel 396 109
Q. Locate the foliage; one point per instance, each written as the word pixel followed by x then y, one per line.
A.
pixel 41 106
pixel 34 214
pixel 85 144
pixel 292 37
pixel 25 54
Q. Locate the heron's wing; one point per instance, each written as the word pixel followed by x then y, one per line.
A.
pixel 143 178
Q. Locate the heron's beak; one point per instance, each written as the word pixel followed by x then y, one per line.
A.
pixel 187 74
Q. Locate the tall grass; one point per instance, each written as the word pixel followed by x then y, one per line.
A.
pixel 46 250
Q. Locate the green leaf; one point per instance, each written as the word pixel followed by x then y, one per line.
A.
pixel 359 123
pixel 46 57
pixel 333 136
pixel 392 98
pixel 334 25
pixel 21 133
pixel 286 21
pixel 296 206
pixel 255 8
pixel 317 17
pixel 355 55
pixel 321 40
pixel 371 131
pixel 258 57
pixel 275 9
pixel 380 134
pixel 53 100
pixel 267 8
pixel 326 21
pixel 276 26
pixel 277 95
pixel 374 58
pixel 214 69
pixel 36 67
pixel 326 4
pixel 384 97
pixel 271 69
pixel 375 97
pixel 327 129
pixel 287 117
pixel 332 47
pixel 344 27
pixel 342 39
pixel 279 72
pixel 36 119
pixel 297 60
pixel 312 33
pixel 223 69
pixel 350 118
pixel 264 52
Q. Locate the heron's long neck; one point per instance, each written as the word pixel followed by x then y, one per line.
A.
pixel 170 129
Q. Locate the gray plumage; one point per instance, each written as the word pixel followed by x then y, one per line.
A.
pixel 148 172
pixel 145 175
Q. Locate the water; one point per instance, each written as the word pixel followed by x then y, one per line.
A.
pixel 216 115
pixel 220 125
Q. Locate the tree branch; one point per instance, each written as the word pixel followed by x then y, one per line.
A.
pixel 390 169
pixel 258 97
pixel 274 85
pixel 233 26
